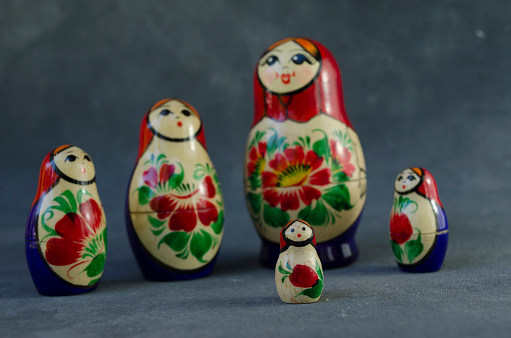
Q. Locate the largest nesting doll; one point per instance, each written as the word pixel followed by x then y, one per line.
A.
pixel 174 206
pixel 303 158
pixel 66 237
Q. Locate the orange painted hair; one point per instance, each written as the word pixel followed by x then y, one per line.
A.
pixel 304 43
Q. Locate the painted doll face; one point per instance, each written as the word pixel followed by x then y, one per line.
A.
pixel 407 180
pixel 298 232
pixel 75 163
pixel 287 68
pixel 175 120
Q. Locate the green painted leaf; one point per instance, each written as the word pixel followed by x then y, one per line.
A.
pixel 145 194
pixel 254 200
pixel 338 197
pixel 396 249
pixel 105 239
pixel 340 177
pixel 219 224
pixel 94 281
pixel 313 292
pixel 275 217
pixel 281 270
pixel 305 212
pixel 176 180
pixel 255 180
pixel 155 222
pixel 72 200
pixel 284 278
pixel 272 144
pixel 321 147
pixel 201 242
pixel 80 194
pixel 176 240
pixel 318 271
pixel 317 215
pixel 157 232
pixel 96 265
pixel 413 248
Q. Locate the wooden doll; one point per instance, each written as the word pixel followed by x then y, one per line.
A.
pixel 174 206
pixel 303 158
pixel 65 240
pixel 418 225
pixel 298 273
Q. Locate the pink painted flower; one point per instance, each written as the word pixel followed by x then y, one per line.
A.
pixel 342 156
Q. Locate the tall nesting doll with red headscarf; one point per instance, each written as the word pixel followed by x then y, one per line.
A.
pixel 174 211
pixel 418 225
pixel 303 158
pixel 65 239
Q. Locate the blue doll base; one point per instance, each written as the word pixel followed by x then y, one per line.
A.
pixel 45 281
pixel 434 261
pixel 155 271
pixel 338 252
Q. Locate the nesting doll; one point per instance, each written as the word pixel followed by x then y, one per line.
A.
pixel 174 205
pixel 298 273
pixel 65 239
pixel 418 225
pixel 303 158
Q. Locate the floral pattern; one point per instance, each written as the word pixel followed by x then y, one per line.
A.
pixel 183 210
pixel 79 238
pixel 303 276
pixel 303 177
pixel 401 230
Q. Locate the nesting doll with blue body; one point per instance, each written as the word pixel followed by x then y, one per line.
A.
pixel 418 225
pixel 303 158
pixel 65 239
pixel 174 211
pixel 298 273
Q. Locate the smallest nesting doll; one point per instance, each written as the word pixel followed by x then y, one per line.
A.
pixel 298 273
pixel 418 225
pixel 65 239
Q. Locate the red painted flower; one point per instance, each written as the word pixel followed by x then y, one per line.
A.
pixel 400 228
pixel 342 156
pixel 184 210
pixel 150 176
pixel 73 229
pixel 303 276
pixel 256 158
pixel 298 174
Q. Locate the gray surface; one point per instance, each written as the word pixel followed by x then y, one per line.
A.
pixel 425 84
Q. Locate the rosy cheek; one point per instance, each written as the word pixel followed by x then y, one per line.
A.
pixel 304 75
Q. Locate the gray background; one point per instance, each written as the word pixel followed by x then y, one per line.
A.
pixel 425 83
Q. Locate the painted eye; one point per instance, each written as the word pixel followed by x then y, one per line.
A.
pixel 303 229
pixel 70 158
pixel 298 59
pixel 165 112
pixel 186 112
pixel 86 157
pixel 411 178
pixel 270 61
pixel 292 230
pixel 400 178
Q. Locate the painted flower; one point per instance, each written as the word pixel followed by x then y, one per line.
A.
pixel 73 228
pixel 256 159
pixel 151 177
pixel 185 209
pixel 400 228
pixel 298 173
pixel 342 156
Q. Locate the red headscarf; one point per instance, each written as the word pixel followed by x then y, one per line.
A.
pixel 323 95
pixel 146 135
pixel 48 178
pixel 427 186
